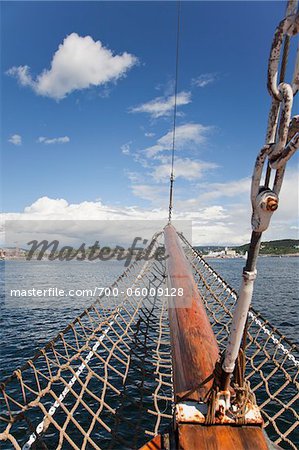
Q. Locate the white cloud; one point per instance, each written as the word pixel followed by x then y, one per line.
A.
pixel 189 134
pixel 149 192
pixel 134 177
pixel 204 79
pixel 22 73
pixel 288 208
pixel 184 168
pixel 126 148
pixel 167 88
pixel 79 63
pixel 141 160
pixel 216 222
pixel 50 215
pixel 212 224
pixel 58 140
pixel 59 209
pixel 149 135
pixel 234 188
pixel 219 234
pixel 162 106
pixel 15 139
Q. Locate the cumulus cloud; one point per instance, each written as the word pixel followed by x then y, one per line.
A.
pixel 211 224
pixel 162 106
pixel 15 139
pixel 156 160
pixel 189 134
pixel 204 79
pixel 86 222
pixel 58 140
pixel 224 220
pixel 79 63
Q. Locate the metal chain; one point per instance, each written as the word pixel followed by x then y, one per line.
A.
pixel 282 140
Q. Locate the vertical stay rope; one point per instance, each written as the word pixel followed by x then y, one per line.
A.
pixel 174 110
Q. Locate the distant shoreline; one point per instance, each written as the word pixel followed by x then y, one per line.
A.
pixel 288 255
pixel 273 255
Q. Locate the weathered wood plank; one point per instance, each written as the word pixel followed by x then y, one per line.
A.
pixel 197 437
pixel 194 347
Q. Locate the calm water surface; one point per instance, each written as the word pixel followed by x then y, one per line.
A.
pixel 276 291
pixel 28 323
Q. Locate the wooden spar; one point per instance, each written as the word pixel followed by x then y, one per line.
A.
pixel 194 347
pixel 194 355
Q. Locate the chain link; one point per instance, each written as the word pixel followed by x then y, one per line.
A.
pixel 282 138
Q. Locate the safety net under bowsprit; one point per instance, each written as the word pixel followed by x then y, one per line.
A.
pixel 105 381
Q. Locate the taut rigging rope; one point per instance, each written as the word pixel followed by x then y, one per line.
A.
pixel 174 111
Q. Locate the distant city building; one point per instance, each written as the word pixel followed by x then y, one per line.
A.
pixel 226 253
pixel 230 253
pixel 12 253
pixel 213 254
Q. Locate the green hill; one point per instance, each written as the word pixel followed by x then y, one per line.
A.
pixel 279 247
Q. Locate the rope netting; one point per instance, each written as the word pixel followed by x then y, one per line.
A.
pixel 105 381
pixel 272 361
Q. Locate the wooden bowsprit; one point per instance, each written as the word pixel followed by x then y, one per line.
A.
pixel 194 347
pixel 195 354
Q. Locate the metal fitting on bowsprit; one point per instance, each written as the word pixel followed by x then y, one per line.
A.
pixel 271 203
pixel 265 205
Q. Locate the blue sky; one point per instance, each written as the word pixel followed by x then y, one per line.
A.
pixel 90 136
